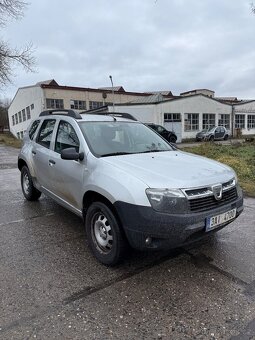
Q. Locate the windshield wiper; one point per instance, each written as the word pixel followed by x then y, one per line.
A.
pixel 147 151
pixel 116 154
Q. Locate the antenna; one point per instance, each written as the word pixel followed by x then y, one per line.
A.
pixel 112 93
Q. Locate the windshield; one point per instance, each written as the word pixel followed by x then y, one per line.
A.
pixel 118 138
pixel 211 129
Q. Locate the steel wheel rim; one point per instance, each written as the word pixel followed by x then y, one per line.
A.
pixel 26 183
pixel 102 232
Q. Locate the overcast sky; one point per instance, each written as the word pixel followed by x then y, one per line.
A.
pixel 145 45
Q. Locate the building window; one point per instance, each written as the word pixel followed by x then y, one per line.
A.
pixel 78 104
pixel 28 112
pixel 54 103
pixel 224 120
pixel 95 105
pixel 32 106
pixel 18 135
pixel 13 120
pixel 251 122
pixel 191 122
pixel 21 134
pixel 23 115
pixel 20 120
pixel 208 120
pixel 239 121
pixel 172 117
pixel 16 118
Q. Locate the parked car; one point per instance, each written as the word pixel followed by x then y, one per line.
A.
pixel 129 185
pixel 170 136
pixel 214 133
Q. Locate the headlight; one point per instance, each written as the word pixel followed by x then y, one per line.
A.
pixel 171 201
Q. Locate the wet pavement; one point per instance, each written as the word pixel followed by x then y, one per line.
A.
pixel 51 287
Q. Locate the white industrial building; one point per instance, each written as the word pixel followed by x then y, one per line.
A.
pixel 193 111
pixel 185 114
pixel 29 101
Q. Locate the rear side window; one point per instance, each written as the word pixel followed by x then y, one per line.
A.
pixel 33 129
pixel 45 134
pixel 66 137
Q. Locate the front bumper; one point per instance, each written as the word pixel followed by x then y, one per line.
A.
pixel 167 230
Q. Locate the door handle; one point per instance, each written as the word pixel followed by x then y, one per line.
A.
pixel 51 162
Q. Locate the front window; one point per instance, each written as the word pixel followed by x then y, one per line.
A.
pixel 191 121
pixel 113 138
pixel 66 137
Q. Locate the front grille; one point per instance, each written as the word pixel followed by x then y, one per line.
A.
pixel 209 202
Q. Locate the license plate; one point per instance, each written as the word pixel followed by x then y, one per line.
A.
pixel 218 220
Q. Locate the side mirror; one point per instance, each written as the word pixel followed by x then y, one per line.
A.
pixel 72 154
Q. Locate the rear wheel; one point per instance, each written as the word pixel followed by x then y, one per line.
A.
pixel 104 234
pixel 28 189
pixel 226 137
pixel 172 139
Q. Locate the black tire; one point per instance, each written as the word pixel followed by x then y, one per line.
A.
pixel 28 189
pixel 172 139
pixel 211 139
pixel 104 234
pixel 226 137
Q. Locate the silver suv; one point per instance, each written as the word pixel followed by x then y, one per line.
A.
pixel 129 185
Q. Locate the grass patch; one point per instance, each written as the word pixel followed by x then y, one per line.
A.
pixel 240 157
pixel 9 140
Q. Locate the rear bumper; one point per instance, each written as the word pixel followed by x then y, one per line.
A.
pixel 166 230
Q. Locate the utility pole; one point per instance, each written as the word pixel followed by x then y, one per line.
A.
pixel 112 93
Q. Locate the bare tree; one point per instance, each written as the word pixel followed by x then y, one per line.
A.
pixel 252 7
pixel 8 55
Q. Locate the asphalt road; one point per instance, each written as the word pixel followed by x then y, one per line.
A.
pixel 51 287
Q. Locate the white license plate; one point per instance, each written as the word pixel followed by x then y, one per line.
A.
pixel 218 220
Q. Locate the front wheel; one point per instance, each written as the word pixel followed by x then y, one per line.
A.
pixel 28 189
pixel 211 139
pixel 105 237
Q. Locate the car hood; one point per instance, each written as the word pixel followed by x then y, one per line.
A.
pixel 172 169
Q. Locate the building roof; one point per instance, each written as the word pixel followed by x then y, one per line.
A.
pixel 154 98
pixel 196 90
pixel 47 82
pixel 164 93
pixel 114 88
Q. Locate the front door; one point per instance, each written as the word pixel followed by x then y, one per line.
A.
pixel 67 175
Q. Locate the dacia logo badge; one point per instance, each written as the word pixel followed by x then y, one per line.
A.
pixel 217 191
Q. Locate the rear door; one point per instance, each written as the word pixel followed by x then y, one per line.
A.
pixel 40 152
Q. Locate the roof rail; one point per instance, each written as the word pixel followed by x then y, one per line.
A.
pixel 112 114
pixel 64 112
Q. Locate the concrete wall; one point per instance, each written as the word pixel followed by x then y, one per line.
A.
pixel 246 109
pixel 25 97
